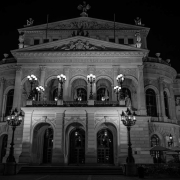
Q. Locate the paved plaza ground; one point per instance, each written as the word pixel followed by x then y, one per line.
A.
pixel 78 177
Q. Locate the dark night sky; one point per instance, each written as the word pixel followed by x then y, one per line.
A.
pixel 162 17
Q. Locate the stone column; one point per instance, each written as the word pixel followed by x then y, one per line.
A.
pixel 17 89
pixel 140 92
pixel 91 152
pixel 161 93
pixel 42 75
pixel 1 97
pixel 25 156
pixel 158 105
pixel 66 72
pixel 58 156
pixel 172 105
pixel 115 73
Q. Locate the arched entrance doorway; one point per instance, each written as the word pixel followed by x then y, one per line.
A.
pixel 3 146
pixel 77 146
pixel 42 147
pixel 105 147
pixel 48 145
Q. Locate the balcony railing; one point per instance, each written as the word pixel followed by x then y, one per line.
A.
pixel 156 60
pixel 74 104
pixel 106 103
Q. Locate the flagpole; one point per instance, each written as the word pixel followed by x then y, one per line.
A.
pixel 47 25
pixel 114 29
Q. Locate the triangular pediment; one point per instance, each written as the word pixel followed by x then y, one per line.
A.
pixel 87 23
pixel 79 43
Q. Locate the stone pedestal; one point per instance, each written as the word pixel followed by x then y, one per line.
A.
pixel 122 102
pixel 29 103
pixel 90 102
pixel 60 102
pixel 131 169
pixel 10 168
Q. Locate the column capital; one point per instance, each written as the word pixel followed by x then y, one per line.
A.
pixel 66 69
pixel 2 80
pixel 161 79
pixel 91 69
pixel 140 67
pixel 18 68
pixel 42 67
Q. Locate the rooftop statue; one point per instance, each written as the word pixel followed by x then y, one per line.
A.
pixel 138 21
pixel 84 8
pixel 30 22
pixel 138 39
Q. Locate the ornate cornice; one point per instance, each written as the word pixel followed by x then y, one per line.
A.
pixel 78 53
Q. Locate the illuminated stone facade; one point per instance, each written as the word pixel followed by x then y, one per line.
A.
pixel 76 48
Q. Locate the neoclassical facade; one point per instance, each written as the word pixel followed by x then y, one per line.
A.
pixel 77 131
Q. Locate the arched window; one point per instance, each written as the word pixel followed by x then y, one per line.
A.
pixel 102 94
pixel 55 94
pixel 80 94
pixel 125 92
pixel 151 103
pixel 9 101
pixel 154 140
pixel 166 105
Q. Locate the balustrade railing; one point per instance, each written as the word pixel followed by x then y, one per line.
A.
pixel 74 104
pixel 106 103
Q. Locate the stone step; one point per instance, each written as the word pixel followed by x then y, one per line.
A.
pixel 76 170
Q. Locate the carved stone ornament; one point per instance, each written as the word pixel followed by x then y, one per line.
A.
pixel 88 25
pixel 45 119
pixel 2 80
pixel 129 71
pixel 18 68
pixel 4 128
pixel 75 119
pixel 77 45
pixel 105 119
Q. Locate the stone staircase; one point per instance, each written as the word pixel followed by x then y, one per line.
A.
pixel 72 170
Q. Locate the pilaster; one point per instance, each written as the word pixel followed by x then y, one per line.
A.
pixel 2 80
pixel 42 75
pixel 17 89
pixel 66 72
pixel 115 73
pixel 172 105
pixel 25 156
pixel 58 157
pixel 91 155
pixel 140 92
pixel 161 92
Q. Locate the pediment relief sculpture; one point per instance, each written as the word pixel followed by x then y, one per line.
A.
pixel 78 45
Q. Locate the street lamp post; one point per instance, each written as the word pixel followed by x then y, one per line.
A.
pixel 61 79
pixel 14 119
pixel 117 91
pixel 40 90
pixel 120 79
pixel 32 79
pixel 129 119
pixel 91 79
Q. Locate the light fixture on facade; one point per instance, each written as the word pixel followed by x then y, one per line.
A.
pixel 120 79
pixel 91 79
pixel 170 141
pixel 61 79
pixel 40 90
pixel 32 79
pixel 129 119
